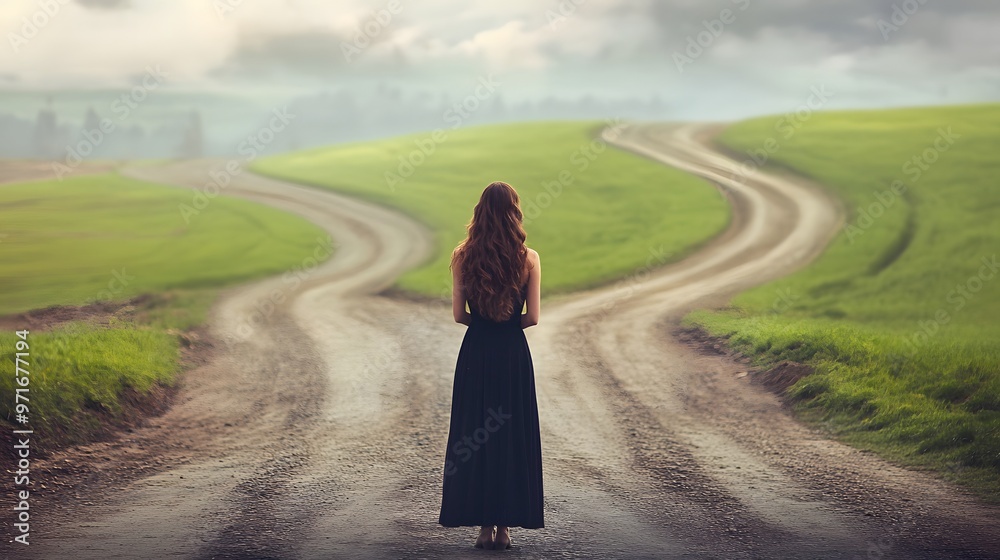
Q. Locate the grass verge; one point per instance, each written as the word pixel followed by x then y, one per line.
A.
pixel 74 251
pixel 594 213
pixel 899 315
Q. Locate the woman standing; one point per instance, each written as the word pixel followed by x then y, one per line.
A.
pixel 493 462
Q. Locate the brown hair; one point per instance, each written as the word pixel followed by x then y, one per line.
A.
pixel 493 256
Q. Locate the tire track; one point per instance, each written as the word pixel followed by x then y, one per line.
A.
pixel 321 433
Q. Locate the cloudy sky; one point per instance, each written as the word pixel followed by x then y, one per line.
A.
pixel 711 57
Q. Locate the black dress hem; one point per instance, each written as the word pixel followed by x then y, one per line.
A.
pixel 493 461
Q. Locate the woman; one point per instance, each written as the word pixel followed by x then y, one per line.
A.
pixel 493 462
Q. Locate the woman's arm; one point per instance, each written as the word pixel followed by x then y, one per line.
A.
pixel 458 296
pixel 530 318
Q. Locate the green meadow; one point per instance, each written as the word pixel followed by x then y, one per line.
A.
pixel 901 315
pixel 110 238
pixel 594 213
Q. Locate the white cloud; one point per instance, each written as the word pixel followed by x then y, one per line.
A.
pixel 773 50
pixel 84 47
pixel 508 46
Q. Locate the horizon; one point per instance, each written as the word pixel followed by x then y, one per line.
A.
pixel 362 70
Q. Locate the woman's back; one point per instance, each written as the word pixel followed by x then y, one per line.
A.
pixel 493 462
pixel 515 316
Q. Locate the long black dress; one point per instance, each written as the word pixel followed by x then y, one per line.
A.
pixel 493 462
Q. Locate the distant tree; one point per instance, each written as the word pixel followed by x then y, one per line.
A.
pixel 192 144
pixel 45 138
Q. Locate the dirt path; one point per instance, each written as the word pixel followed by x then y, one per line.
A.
pixel 318 431
pixel 24 170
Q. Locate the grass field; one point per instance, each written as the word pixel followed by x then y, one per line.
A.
pixel 106 237
pixel 109 237
pixel 594 213
pixel 901 315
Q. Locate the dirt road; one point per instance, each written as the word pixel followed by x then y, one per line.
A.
pixel 317 428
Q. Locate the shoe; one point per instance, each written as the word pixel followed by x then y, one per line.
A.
pixel 502 540
pixel 485 539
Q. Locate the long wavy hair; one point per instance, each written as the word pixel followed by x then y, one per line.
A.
pixel 493 257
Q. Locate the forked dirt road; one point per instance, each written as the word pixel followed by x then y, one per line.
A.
pixel 317 428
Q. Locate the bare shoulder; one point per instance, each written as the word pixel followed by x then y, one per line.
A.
pixel 532 254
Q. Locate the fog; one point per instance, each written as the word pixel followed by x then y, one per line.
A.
pixel 141 78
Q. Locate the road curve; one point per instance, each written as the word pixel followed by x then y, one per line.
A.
pixel 317 428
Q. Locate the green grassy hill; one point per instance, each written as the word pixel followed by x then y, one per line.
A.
pixel 901 315
pixel 109 238
pixel 594 213
pixel 93 237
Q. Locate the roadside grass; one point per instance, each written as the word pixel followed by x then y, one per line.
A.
pixel 107 238
pixel 605 214
pixel 78 367
pixel 110 237
pixel 901 315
